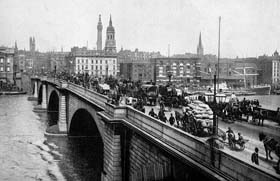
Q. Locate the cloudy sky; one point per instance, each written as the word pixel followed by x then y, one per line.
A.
pixel 248 27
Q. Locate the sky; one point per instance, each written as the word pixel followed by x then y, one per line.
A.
pixel 249 28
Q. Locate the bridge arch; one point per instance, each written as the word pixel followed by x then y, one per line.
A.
pixel 53 108
pixel 83 124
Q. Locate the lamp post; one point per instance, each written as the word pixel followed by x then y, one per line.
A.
pixel 215 120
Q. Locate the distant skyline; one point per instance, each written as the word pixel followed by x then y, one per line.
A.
pixel 249 28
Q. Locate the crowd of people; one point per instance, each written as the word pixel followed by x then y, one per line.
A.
pixel 245 108
pixel 119 89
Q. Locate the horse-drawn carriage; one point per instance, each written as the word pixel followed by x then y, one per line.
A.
pixel 197 119
pixel 171 96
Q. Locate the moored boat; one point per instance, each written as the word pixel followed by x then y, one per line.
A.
pixel 261 89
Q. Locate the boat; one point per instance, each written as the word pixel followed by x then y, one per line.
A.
pixel 261 89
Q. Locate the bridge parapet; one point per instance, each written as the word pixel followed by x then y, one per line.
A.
pixel 89 94
pixel 195 151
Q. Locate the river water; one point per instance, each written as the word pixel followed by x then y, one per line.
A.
pixel 26 154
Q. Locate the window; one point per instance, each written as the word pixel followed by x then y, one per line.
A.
pixel 106 61
pixel 100 61
pixel 86 61
pixel 78 60
pixel 91 61
pixel 91 67
pixel 96 61
pixel 82 67
pixel 8 69
pixel 1 69
pixel 100 67
pixel 96 67
pixel 8 60
pixel 1 60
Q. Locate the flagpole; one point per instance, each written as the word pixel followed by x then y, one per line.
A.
pixel 218 82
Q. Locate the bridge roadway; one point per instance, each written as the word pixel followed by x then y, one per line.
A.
pixel 193 151
pixel 249 131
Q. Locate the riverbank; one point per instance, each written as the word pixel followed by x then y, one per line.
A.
pixel 12 92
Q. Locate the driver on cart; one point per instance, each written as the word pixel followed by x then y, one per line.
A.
pixel 231 136
pixel 240 138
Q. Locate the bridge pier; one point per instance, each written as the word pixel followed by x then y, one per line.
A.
pixel 34 96
pixel 62 125
pixel 112 153
pixel 44 96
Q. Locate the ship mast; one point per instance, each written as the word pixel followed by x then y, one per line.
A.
pixel 244 74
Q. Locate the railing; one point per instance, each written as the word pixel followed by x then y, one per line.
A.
pixel 89 94
pixel 186 144
pixel 80 90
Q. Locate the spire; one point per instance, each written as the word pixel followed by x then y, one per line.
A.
pixel 99 18
pixel 199 46
pixel 16 45
pixel 200 42
pixel 110 22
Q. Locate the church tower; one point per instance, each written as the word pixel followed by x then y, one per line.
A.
pixel 99 34
pixel 32 44
pixel 110 45
pixel 16 48
pixel 199 50
pixel 34 47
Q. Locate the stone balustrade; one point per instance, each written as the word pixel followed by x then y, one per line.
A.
pixel 188 145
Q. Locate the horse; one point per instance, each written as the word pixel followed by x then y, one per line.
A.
pixel 270 144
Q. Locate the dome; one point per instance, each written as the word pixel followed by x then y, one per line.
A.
pixel 110 29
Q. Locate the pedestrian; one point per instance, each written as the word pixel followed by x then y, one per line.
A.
pixel 261 117
pixel 171 119
pixel 152 113
pixel 255 156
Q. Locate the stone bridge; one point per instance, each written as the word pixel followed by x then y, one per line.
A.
pixel 135 145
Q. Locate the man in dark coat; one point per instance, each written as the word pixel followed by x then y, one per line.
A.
pixel 255 157
pixel 171 119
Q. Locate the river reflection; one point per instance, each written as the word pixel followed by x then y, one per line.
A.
pixel 26 154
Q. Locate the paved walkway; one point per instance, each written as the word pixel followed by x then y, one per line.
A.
pixel 249 131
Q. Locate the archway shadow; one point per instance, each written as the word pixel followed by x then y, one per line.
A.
pixel 53 109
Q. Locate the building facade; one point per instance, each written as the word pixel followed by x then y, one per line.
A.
pixel 269 69
pixel 93 62
pixel 136 65
pixel 179 70
pixel 141 71
pixel 7 64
